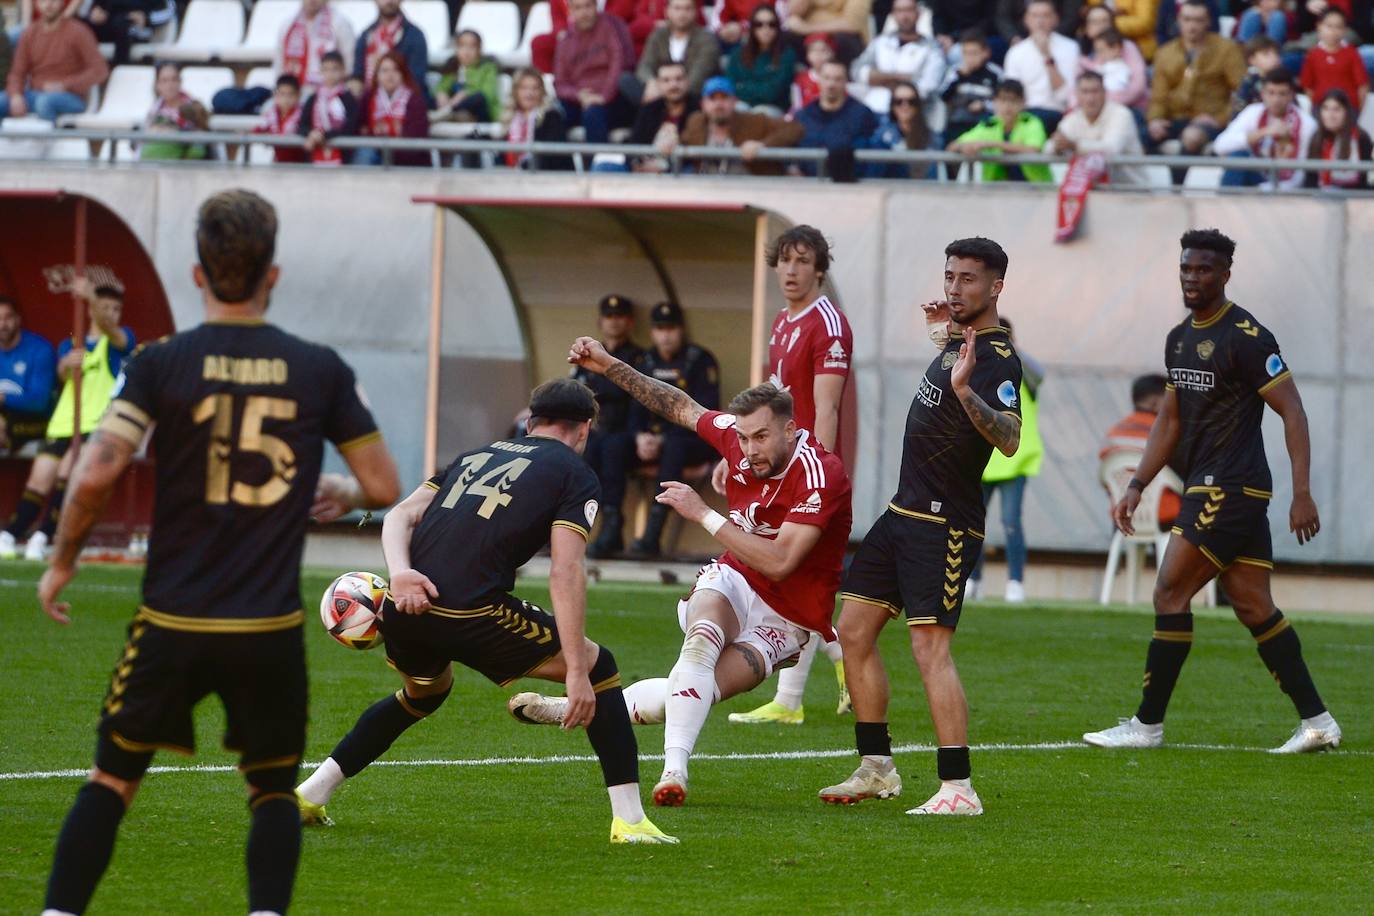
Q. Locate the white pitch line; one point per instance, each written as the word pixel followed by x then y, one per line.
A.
pixel 822 754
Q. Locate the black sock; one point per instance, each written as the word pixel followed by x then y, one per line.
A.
pixel 872 739
pixel 84 847
pixel 59 492
pixel 274 848
pixel 26 513
pixel 611 734
pixel 953 763
pixel 1281 652
pixel 378 726
pixel 1168 651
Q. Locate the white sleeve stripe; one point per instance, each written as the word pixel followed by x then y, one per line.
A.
pixel 806 468
pixel 832 319
pixel 815 470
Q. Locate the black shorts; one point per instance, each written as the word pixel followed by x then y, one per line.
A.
pixel 1228 526
pixel 259 677
pixel 23 428
pixel 55 447
pixel 503 641
pixel 915 565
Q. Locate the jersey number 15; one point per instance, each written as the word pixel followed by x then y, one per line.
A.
pixel 219 410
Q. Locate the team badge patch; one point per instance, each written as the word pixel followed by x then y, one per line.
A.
pixel 724 421
pixel 590 510
pixel 1273 365
pixel 1006 393
pixel 949 359
pixel 1205 349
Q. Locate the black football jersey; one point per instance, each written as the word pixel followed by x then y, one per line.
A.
pixel 495 507
pixel 240 412
pixel 1218 371
pixel 943 456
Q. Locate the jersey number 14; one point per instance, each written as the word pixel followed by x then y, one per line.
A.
pixel 491 486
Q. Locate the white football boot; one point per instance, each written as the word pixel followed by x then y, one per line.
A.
pixel 37 547
pixel 1130 733
pixel 1315 734
pixel 671 790
pixel 9 549
pixel 955 797
pixel 868 781
pixel 537 709
pixel 1015 593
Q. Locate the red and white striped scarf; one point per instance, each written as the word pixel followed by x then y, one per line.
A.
pixel 388 114
pixel 306 41
pixel 383 38
pixel 274 123
pixel 1269 148
pixel 1344 178
pixel 521 130
pixel 327 114
pixel 168 114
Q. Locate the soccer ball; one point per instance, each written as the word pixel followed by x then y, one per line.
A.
pixel 349 609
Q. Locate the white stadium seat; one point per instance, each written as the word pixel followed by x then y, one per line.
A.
pixel 497 21
pixel 261 76
pixel 201 83
pixel 431 17
pixel 211 27
pixel 359 13
pixel 264 25
pixel 538 22
pixel 128 98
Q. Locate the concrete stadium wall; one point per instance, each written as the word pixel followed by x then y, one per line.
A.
pixel 356 259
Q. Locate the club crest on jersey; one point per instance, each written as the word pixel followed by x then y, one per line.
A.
pixel 1205 349
pixel 796 332
pixel 927 393
pixel 1006 393
pixel 1273 365
pixel 935 506
pixel 809 506
pixel 949 359
pixel 590 509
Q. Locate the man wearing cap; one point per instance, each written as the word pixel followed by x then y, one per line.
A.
pixel 610 450
pixel 719 124
pixel 691 369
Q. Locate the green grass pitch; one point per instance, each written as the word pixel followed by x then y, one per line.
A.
pixel 1213 826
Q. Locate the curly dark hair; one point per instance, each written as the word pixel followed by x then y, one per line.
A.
pixel 980 249
pixel 1209 240
pixel 803 236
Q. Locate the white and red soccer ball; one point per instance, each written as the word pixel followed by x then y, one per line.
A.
pixel 350 607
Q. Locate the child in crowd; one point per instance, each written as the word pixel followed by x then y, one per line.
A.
pixel 331 112
pixel 173 111
pixel 968 94
pixel 806 88
pixel 1109 59
pixel 282 117
pixel 1261 56
pixel 1334 64
pixel 472 92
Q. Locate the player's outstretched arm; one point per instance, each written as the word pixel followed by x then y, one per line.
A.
pixel 1303 519
pixel 776 558
pixel 1158 447
pixel 102 460
pixel 669 402
pixel 828 391
pixel 1003 430
pixel 568 589
pixel 411 590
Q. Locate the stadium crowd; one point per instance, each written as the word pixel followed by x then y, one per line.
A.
pixel 1273 79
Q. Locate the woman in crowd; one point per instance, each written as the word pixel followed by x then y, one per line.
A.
pixel 472 92
pixel 1339 139
pixel 534 118
pixel 762 66
pixel 393 106
pixel 173 111
pixel 902 128
pixel 1108 52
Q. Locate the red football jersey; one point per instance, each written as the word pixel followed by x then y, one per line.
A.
pixel 816 342
pixel 812 490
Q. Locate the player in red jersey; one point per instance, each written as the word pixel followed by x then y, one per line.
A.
pixel 809 351
pixel 773 589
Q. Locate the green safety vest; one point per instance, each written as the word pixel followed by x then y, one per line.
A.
pixel 1026 461
pixel 97 382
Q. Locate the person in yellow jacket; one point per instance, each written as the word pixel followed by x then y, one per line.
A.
pixel 107 345
pixel 1008 476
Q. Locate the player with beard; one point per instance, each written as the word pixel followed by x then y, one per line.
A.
pixel 918 555
pixel 1224 366
pixel 771 592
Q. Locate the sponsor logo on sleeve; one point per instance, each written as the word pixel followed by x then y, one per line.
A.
pixel 724 421
pixel 1273 365
pixel 935 506
pixel 589 509
pixel 1006 393
pixel 835 357
pixel 809 506
pixel 362 395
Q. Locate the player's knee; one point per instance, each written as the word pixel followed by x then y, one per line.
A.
pixel 426 703
pixel 126 789
pixel 703 644
pixel 604 670
pixel 439 686
pixel 1170 596
pixel 270 782
pixel 930 648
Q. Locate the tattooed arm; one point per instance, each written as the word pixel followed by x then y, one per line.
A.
pixel 103 458
pixel 668 401
pixel 1003 430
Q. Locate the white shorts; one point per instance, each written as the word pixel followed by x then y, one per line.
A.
pixel 779 641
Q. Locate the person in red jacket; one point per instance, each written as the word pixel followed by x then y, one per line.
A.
pixel 394 106
pixel 1333 64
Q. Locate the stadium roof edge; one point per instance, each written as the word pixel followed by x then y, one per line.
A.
pixel 579 203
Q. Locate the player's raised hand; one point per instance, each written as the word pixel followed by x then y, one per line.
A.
pixel 587 353
pixel 55 579
pixel 1303 519
pixel 684 499
pixel 581 702
pixel 719 476
pixel 1124 510
pixel 936 312
pixel 962 373
pixel 411 591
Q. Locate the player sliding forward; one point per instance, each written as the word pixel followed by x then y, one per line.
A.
pixel 1224 366
pixel 773 590
pixel 452 549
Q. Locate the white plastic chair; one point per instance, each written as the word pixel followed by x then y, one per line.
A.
pixel 201 83
pixel 126 103
pixel 211 27
pixel 264 25
pixel 1115 473
pixel 538 22
pixel 261 76
pixel 497 21
pixel 431 18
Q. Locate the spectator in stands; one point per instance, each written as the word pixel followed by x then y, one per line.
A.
pixel 1273 128
pixel 1122 68
pixel 331 112
pixel 678 362
pixel 643 17
pixel 318 29
pixel 1265 17
pixel 6 56
pixel 720 124
pixel 901 56
pixel 734 17
pixel 645 14
pixel 1131 432
pixel 472 91
pixel 1333 64
pixel 903 128
pixel 1339 138
pixel 1099 125
pixel 951 20
pixel 1134 19
pixel 392 32
pixel 282 118
pixel 806 88
pixel 1045 63
pixel 679 39
pixel 589 60
pixel 1168 25
pixel 1010 18
pixel 55 66
pixel 173 111
pixel 1010 129
pixel 534 118
pixel 394 106
pixel 611 445
pixel 1194 77
pixel 845 21
pixel 836 122
pixel 661 121
pixel 968 94
pixel 123 22
pixel 26 380
pixel 762 66
pixel 1261 56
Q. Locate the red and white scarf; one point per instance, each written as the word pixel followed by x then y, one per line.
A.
pixel 1345 178
pixel 382 39
pixel 388 115
pixel 168 114
pixel 1269 148
pixel 1086 171
pixel 306 41
pixel 274 123
pixel 521 130
pixel 327 114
